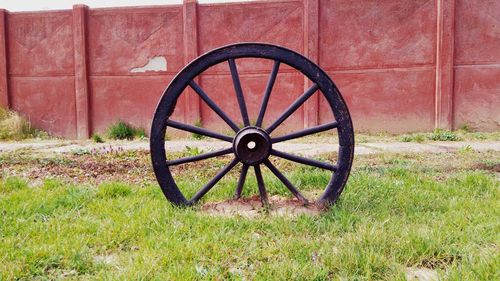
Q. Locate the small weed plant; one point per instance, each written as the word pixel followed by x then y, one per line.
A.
pixel 193 151
pixel 467 149
pixel 80 151
pixel 140 133
pixel 97 138
pixel 413 138
pixel 195 135
pixel 124 131
pixel 465 128
pixel 444 135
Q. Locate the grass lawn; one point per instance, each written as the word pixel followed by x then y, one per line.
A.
pixel 102 216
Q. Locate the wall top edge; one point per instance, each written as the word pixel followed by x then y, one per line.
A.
pixel 256 2
pixel 135 8
pixel 35 13
pixel 105 9
pixel 150 7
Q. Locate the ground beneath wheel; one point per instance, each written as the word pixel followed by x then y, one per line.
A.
pixel 252 208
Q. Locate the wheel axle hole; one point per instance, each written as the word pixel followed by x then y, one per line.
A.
pixel 251 145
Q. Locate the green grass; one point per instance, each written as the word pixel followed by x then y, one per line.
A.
pixel 398 210
pixel 463 134
pixel 444 135
pixel 123 131
pixel 97 138
pixel 113 190
pixel 413 138
pixel 437 135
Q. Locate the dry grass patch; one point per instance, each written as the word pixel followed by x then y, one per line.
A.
pixel 15 127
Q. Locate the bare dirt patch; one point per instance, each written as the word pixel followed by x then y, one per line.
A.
pixel 439 262
pixel 494 167
pixel 421 274
pixel 252 207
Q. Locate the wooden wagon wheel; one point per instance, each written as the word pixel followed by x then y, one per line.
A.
pixel 252 145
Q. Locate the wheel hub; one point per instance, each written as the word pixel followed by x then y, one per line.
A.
pixel 252 145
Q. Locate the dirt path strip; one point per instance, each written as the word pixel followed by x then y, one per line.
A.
pixel 64 146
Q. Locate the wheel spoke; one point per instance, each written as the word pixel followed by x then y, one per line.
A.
pixel 199 157
pixel 213 106
pixel 241 181
pixel 285 181
pixel 239 92
pixel 306 161
pixel 290 110
pixel 308 131
pixel 267 94
pixel 262 187
pixel 198 130
pixel 213 181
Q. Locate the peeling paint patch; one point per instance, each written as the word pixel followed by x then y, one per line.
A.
pixel 158 63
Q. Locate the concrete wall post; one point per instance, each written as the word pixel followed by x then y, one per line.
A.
pixel 311 51
pixel 444 64
pixel 81 71
pixel 190 22
pixel 4 84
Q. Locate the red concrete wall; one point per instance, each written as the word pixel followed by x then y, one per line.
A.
pixel 243 22
pixel 381 54
pixel 477 64
pixel 402 66
pixel 40 69
pixel 120 40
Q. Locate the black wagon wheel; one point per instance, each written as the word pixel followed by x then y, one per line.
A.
pixel 252 145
